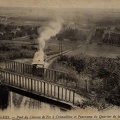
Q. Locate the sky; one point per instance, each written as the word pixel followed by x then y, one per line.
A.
pixel 108 4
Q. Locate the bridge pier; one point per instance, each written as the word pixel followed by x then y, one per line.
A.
pixel 4 96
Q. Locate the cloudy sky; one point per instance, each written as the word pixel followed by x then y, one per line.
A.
pixel 62 3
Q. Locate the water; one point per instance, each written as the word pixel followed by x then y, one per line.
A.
pixel 19 102
pixel 21 106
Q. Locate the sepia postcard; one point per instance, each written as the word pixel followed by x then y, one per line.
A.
pixel 59 59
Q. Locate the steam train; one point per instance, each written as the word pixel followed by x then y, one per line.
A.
pixel 38 70
pixel 33 69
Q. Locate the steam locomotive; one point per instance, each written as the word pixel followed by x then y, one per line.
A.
pixel 38 70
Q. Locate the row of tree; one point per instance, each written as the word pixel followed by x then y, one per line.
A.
pixel 9 32
pixel 112 38
pixel 71 34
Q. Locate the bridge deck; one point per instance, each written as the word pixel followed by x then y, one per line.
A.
pixel 40 87
pixel 44 73
pixel 40 97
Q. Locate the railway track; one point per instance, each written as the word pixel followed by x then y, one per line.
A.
pixel 52 57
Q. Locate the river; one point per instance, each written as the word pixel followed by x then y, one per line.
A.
pixel 23 107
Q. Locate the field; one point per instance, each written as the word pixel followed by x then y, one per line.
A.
pixel 96 50
pixel 13 49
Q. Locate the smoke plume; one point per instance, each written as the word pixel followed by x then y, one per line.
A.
pixel 51 30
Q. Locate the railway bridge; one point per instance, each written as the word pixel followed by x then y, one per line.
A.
pixel 38 83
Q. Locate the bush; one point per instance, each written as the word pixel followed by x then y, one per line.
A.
pixel 114 99
pixel 103 73
pixel 77 64
pixel 23 46
pixel 33 48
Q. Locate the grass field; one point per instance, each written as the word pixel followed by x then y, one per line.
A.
pixel 20 48
pixel 96 50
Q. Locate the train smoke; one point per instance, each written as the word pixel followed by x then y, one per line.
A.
pixel 51 30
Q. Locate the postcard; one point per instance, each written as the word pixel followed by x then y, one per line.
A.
pixel 59 59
